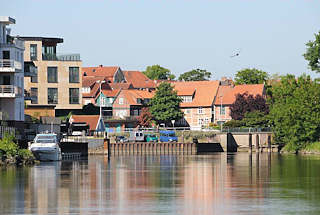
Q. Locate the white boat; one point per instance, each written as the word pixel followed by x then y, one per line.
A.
pixel 45 147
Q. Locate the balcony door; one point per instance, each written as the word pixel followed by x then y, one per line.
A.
pixel 6 80
pixel 6 55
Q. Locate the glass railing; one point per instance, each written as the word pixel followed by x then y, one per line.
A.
pixel 61 57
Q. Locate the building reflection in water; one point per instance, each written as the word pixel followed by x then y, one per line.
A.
pixel 205 184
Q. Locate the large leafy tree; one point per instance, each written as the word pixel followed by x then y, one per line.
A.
pixel 295 111
pixel 145 117
pixel 164 106
pixel 195 75
pixel 251 76
pixel 313 53
pixel 247 103
pixel 156 72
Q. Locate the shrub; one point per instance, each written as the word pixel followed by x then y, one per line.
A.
pixel 8 145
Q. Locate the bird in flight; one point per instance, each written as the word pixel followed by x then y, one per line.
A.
pixel 236 54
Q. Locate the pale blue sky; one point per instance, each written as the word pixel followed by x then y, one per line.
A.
pixel 178 34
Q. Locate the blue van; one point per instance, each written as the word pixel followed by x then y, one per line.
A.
pixel 168 136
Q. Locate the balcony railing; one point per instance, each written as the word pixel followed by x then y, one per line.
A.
pixel 61 57
pixel 10 91
pixel 4 63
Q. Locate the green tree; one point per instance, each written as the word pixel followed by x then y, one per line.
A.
pixel 251 76
pixel 164 106
pixel 156 72
pixel 295 111
pixel 313 53
pixel 195 75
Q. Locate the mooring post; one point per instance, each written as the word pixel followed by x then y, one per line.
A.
pixel 257 143
pixel 250 142
pixel 269 143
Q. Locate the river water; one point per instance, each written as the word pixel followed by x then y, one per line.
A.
pixel 221 183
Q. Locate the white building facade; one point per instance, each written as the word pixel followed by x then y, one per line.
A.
pixel 11 73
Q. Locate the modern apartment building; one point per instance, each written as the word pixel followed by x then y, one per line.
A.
pixel 11 73
pixel 56 88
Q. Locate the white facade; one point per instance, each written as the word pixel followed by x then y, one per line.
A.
pixel 11 73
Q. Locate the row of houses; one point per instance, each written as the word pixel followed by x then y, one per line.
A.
pixel 37 80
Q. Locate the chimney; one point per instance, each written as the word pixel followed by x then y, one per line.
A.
pixel 100 65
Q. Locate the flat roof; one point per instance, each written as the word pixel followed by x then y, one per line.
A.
pixel 7 20
pixel 43 39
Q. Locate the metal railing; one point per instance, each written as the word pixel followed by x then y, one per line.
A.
pixel 6 63
pixel 10 89
pixel 247 130
pixel 6 129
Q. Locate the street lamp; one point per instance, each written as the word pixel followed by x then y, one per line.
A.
pixel 101 82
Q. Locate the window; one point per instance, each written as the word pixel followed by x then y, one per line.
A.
pixel 73 74
pixel 222 110
pixel 52 95
pixel 34 79
pixel 139 101
pixel 74 95
pixel 52 74
pixel 200 111
pixel 110 100
pixel 33 51
pixel 200 121
pixel 206 121
pixel 188 111
pixel 34 95
pixel 120 101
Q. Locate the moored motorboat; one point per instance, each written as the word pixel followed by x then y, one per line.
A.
pixel 45 147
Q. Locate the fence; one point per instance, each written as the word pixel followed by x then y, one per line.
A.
pixel 6 129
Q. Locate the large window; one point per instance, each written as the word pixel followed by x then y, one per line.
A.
pixel 52 74
pixel 33 51
pixel 34 95
pixel 52 95
pixel 222 110
pixel 34 79
pixel 74 96
pixel 200 110
pixel 73 74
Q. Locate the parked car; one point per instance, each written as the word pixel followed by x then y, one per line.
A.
pixel 168 136
pixel 151 138
pixel 121 139
pixel 136 136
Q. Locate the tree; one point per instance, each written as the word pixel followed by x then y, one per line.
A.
pixel 313 53
pixel 295 111
pixel 251 76
pixel 247 103
pixel 164 106
pixel 195 75
pixel 156 72
pixel 145 117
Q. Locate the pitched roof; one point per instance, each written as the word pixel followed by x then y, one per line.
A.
pixel 138 79
pixel 89 81
pixel 91 120
pixel 228 93
pixel 125 86
pixel 95 89
pixel 131 96
pixel 102 71
pixel 205 92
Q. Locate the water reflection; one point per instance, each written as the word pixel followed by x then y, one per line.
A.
pixel 240 183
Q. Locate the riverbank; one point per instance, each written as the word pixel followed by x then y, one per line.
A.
pixel 10 153
pixel 311 148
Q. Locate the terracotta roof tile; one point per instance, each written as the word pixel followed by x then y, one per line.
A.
pixel 91 120
pixel 131 96
pixel 124 86
pixel 228 93
pixel 102 71
pixel 138 79
pixel 205 92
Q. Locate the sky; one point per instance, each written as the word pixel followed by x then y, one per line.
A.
pixel 180 35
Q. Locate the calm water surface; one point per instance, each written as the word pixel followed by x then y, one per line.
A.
pixel 170 184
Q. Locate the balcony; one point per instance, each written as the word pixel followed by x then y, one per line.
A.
pixel 10 91
pixel 9 65
pixel 30 70
pixel 61 57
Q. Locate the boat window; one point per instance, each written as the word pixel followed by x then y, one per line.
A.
pixel 45 139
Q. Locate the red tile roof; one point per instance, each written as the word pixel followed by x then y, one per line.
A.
pixel 91 120
pixel 124 86
pixel 228 93
pixel 131 96
pixel 205 92
pixel 89 81
pixel 138 79
pixel 102 71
